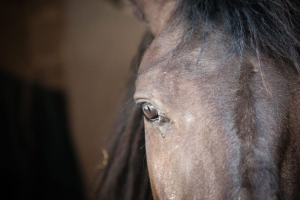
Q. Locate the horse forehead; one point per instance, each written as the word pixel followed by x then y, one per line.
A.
pixel 165 68
pixel 160 50
pixel 152 83
pixel 156 67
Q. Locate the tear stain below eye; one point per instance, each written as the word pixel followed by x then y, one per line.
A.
pixel 163 130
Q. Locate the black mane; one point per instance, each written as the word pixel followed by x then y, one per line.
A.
pixel 263 26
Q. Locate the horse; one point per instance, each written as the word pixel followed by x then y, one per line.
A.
pixel 213 108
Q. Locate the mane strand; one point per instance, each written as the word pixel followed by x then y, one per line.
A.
pixel 126 175
pixel 263 26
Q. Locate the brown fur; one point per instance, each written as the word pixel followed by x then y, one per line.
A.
pixel 234 118
pixel 245 108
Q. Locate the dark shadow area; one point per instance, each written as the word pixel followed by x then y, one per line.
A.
pixel 38 160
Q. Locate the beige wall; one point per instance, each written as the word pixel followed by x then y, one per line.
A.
pixel 100 43
pixel 31 39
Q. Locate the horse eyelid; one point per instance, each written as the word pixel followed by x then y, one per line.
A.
pixel 162 119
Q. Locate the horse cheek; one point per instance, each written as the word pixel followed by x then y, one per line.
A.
pixel 162 156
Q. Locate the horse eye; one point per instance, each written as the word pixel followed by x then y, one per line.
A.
pixel 150 112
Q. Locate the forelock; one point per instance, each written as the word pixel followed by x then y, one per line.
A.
pixel 261 26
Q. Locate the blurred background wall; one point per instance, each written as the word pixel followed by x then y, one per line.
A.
pixel 63 67
pixel 102 40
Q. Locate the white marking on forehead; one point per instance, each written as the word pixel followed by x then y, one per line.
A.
pixel 189 118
